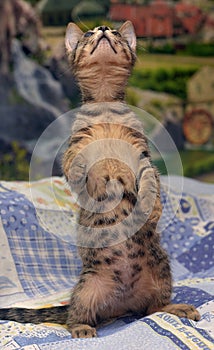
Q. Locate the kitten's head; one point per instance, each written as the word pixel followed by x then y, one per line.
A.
pixel 101 53
pixel 101 42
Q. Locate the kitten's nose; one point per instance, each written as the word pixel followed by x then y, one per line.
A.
pixel 103 28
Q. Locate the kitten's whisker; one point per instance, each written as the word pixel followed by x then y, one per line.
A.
pixel 64 71
pixel 83 24
pixel 140 47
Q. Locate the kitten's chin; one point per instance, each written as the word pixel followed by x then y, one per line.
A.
pixel 103 49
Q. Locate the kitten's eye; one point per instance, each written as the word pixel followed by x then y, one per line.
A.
pixel 88 34
pixel 116 33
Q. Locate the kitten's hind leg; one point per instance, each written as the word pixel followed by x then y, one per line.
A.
pixel 182 310
pixel 83 331
pixel 88 303
pixel 82 314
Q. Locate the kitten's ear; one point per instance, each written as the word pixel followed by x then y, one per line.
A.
pixel 72 36
pixel 128 33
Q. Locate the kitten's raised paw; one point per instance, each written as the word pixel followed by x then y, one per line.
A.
pixel 183 310
pixel 83 331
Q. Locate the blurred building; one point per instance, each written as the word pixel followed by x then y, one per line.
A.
pixel 88 9
pixel 159 18
pixel 54 12
pixel 190 16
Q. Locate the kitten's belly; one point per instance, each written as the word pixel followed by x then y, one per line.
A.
pixel 130 273
pixel 132 289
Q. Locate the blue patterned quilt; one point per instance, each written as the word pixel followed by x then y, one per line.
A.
pixel 39 265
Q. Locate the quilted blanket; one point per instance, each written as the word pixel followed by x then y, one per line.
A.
pixel 39 265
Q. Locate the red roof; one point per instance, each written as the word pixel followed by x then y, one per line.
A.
pixel 159 19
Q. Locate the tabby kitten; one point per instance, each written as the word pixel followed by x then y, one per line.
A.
pixel 108 165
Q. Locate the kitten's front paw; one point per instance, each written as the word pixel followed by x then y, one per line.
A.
pixel 83 331
pixel 183 310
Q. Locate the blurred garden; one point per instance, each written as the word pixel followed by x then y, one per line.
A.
pixel 173 80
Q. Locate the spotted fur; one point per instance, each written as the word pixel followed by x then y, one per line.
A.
pixel 108 165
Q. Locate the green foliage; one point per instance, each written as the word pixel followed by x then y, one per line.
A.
pixel 160 165
pixel 32 2
pixel 14 165
pixel 164 49
pixel 191 49
pixel 199 49
pixel 171 80
pixel 195 163
pixel 132 98
pixel 157 103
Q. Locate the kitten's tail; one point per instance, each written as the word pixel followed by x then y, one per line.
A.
pixel 57 314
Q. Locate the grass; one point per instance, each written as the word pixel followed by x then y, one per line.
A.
pixel 146 60
pixel 196 164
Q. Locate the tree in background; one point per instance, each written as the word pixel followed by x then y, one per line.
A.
pixel 17 19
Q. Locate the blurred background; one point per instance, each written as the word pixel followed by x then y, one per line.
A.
pixel 173 79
